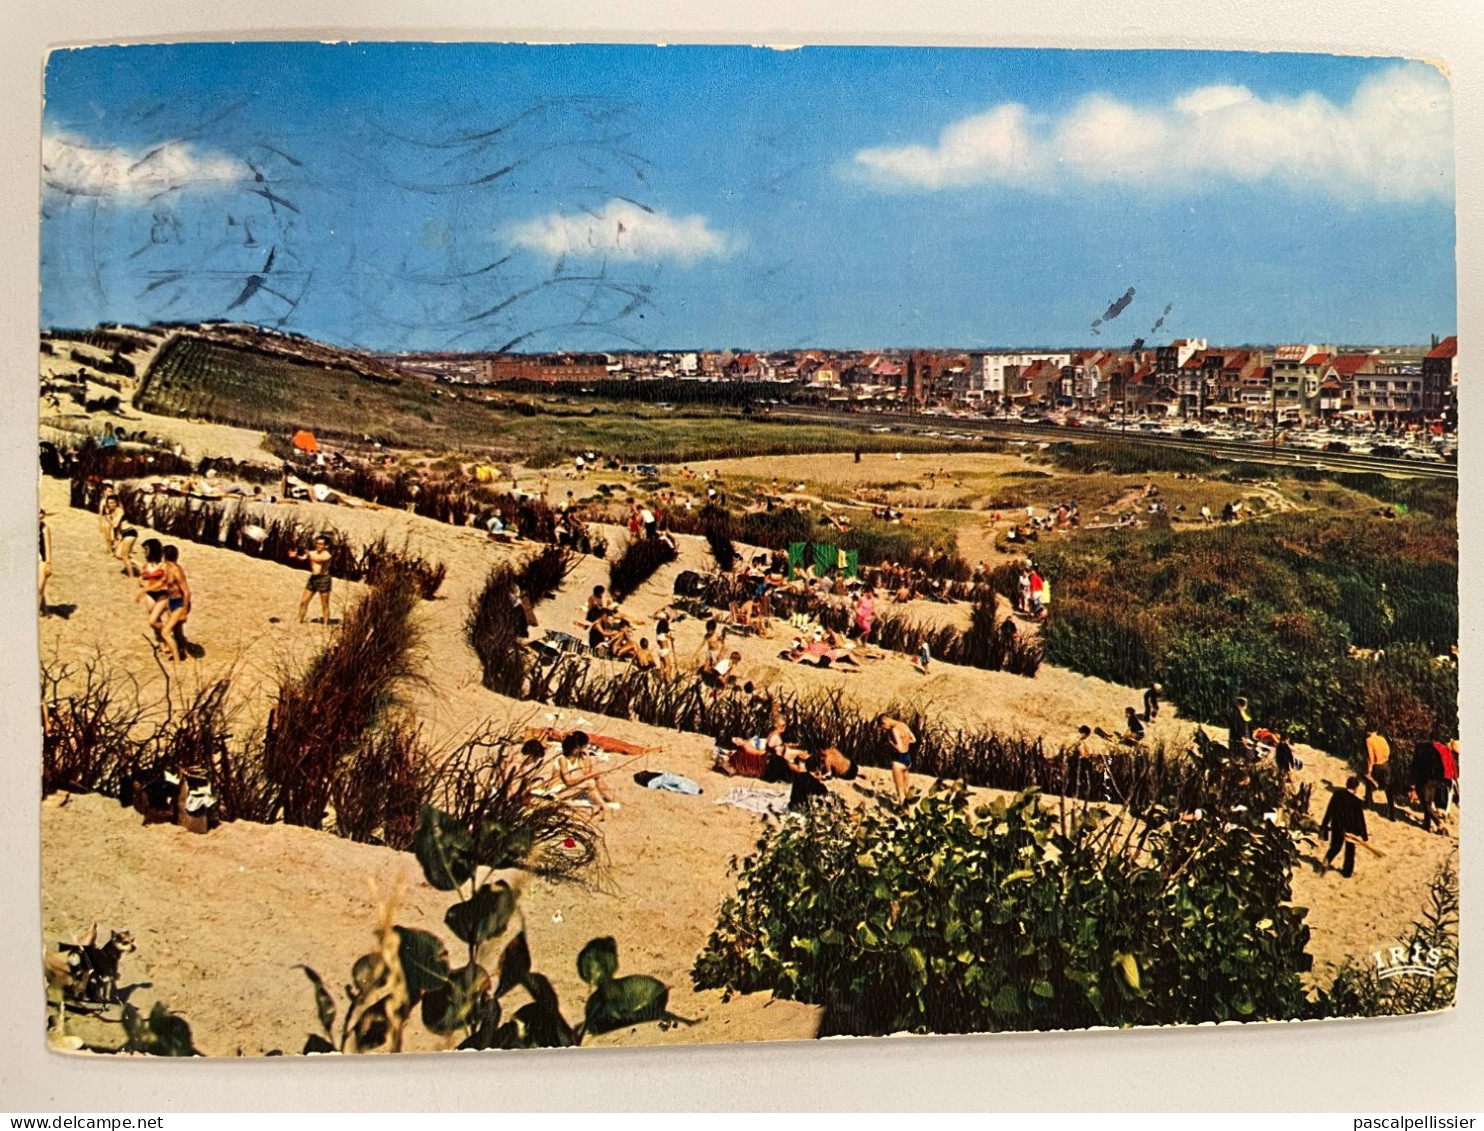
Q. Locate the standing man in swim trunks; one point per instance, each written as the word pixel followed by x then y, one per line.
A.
pixel 319 581
pixel 177 604
pixel 903 745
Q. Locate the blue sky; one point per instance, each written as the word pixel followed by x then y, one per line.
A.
pixel 398 196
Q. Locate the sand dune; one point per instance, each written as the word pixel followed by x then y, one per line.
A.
pixel 222 919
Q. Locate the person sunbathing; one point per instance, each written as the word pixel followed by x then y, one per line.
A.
pixel 582 784
pixel 766 757
pixel 818 654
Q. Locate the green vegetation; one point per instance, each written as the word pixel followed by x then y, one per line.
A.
pixel 1437 497
pixel 1270 609
pixel 412 969
pixel 929 548
pixel 955 915
pixel 1123 457
pixel 232 384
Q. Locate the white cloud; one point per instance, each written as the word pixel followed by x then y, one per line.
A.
pixel 1208 99
pixel 1392 141
pixel 73 165
pixel 622 229
pixel 995 145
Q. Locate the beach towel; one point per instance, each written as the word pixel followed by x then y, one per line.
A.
pixel 556 644
pixel 670 783
pixel 747 763
pixel 755 800
pixel 603 742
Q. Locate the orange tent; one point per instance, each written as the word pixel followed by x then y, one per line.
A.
pixel 305 441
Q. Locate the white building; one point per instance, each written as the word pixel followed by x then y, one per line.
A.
pixel 992 374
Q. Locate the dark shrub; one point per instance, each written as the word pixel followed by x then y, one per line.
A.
pixel 640 560
pixel 719 529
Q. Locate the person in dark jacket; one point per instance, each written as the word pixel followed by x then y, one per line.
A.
pixel 1151 700
pixel 1427 780
pixel 1283 758
pixel 1344 818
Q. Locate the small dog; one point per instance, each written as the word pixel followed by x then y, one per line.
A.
pixel 87 972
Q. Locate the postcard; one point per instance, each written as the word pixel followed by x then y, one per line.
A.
pixel 600 545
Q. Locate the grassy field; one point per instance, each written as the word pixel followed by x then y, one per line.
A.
pixel 224 383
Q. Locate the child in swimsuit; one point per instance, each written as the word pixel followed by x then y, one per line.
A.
pixel 152 589
pixel 122 537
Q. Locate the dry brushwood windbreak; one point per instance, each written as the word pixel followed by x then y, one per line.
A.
pixel 346 692
pixel 339 751
pixel 496 628
pixel 225 524
pixel 817 719
pixel 453 499
pixel 639 560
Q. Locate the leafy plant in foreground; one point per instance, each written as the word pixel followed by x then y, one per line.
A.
pixel 956 915
pixel 413 970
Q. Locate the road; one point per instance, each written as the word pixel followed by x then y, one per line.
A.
pixel 1236 450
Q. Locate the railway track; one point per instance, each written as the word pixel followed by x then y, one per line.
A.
pixel 1234 450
